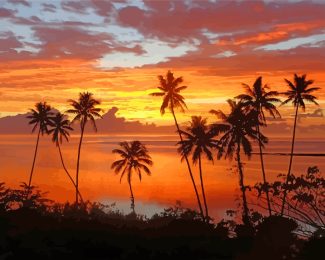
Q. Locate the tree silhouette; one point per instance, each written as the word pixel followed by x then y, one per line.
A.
pixel 172 99
pixel 299 92
pixel 40 119
pixel 84 110
pixel 238 131
pixel 60 130
pixel 135 158
pixel 199 139
pixel 258 99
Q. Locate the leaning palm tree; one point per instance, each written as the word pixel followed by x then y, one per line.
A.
pixel 199 139
pixel 84 110
pixel 260 100
pixel 135 158
pixel 40 119
pixel 299 92
pixel 239 129
pixel 172 99
pixel 60 129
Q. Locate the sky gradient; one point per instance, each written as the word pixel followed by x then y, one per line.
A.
pixel 52 50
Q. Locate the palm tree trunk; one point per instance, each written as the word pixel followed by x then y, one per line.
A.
pixel 291 158
pixel 78 160
pixel 65 169
pixel 34 160
pixel 203 193
pixel 189 168
pixel 242 188
pixel 263 170
pixel 132 197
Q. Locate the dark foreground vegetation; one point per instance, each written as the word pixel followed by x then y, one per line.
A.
pixel 41 229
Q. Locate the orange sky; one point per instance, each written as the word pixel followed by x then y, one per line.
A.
pixel 52 51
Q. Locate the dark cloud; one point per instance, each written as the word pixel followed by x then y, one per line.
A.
pixel 102 7
pixel 109 124
pixel 73 42
pixel 33 20
pixel 8 42
pixel 177 20
pixel 75 6
pixel 246 62
pixel 20 2
pixel 316 114
pixel 49 8
pixel 64 41
pixel 6 13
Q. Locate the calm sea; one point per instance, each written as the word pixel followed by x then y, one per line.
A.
pixel 168 184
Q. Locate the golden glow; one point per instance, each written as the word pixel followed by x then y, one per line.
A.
pixel 24 84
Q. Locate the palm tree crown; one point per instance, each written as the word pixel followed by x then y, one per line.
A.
pixel 61 127
pixel 299 91
pixel 40 117
pixel 238 127
pixel 135 158
pixel 170 90
pixel 198 139
pixel 85 109
pixel 259 99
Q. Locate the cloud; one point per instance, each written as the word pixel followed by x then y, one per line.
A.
pixel 70 42
pixel 8 42
pixel 49 8
pixel 228 46
pixel 272 34
pixel 109 124
pixel 318 113
pixel 179 19
pixel 75 6
pixel 103 7
pixel 66 42
pixel 6 13
pixel 19 2
pixel 208 62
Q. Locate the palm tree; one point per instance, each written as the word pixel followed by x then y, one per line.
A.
pixel 40 119
pixel 239 129
pixel 60 129
pixel 172 99
pixel 258 99
pixel 198 140
pixel 135 158
pixel 299 92
pixel 84 110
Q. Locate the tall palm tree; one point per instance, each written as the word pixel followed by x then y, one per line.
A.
pixel 259 99
pixel 239 129
pixel 60 129
pixel 172 99
pixel 135 158
pixel 199 139
pixel 299 92
pixel 40 119
pixel 84 110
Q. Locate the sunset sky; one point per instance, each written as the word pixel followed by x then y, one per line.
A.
pixel 52 50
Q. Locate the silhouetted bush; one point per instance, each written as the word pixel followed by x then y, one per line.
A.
pixel 41 229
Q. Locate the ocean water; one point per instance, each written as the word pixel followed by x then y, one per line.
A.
pixel 168 184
